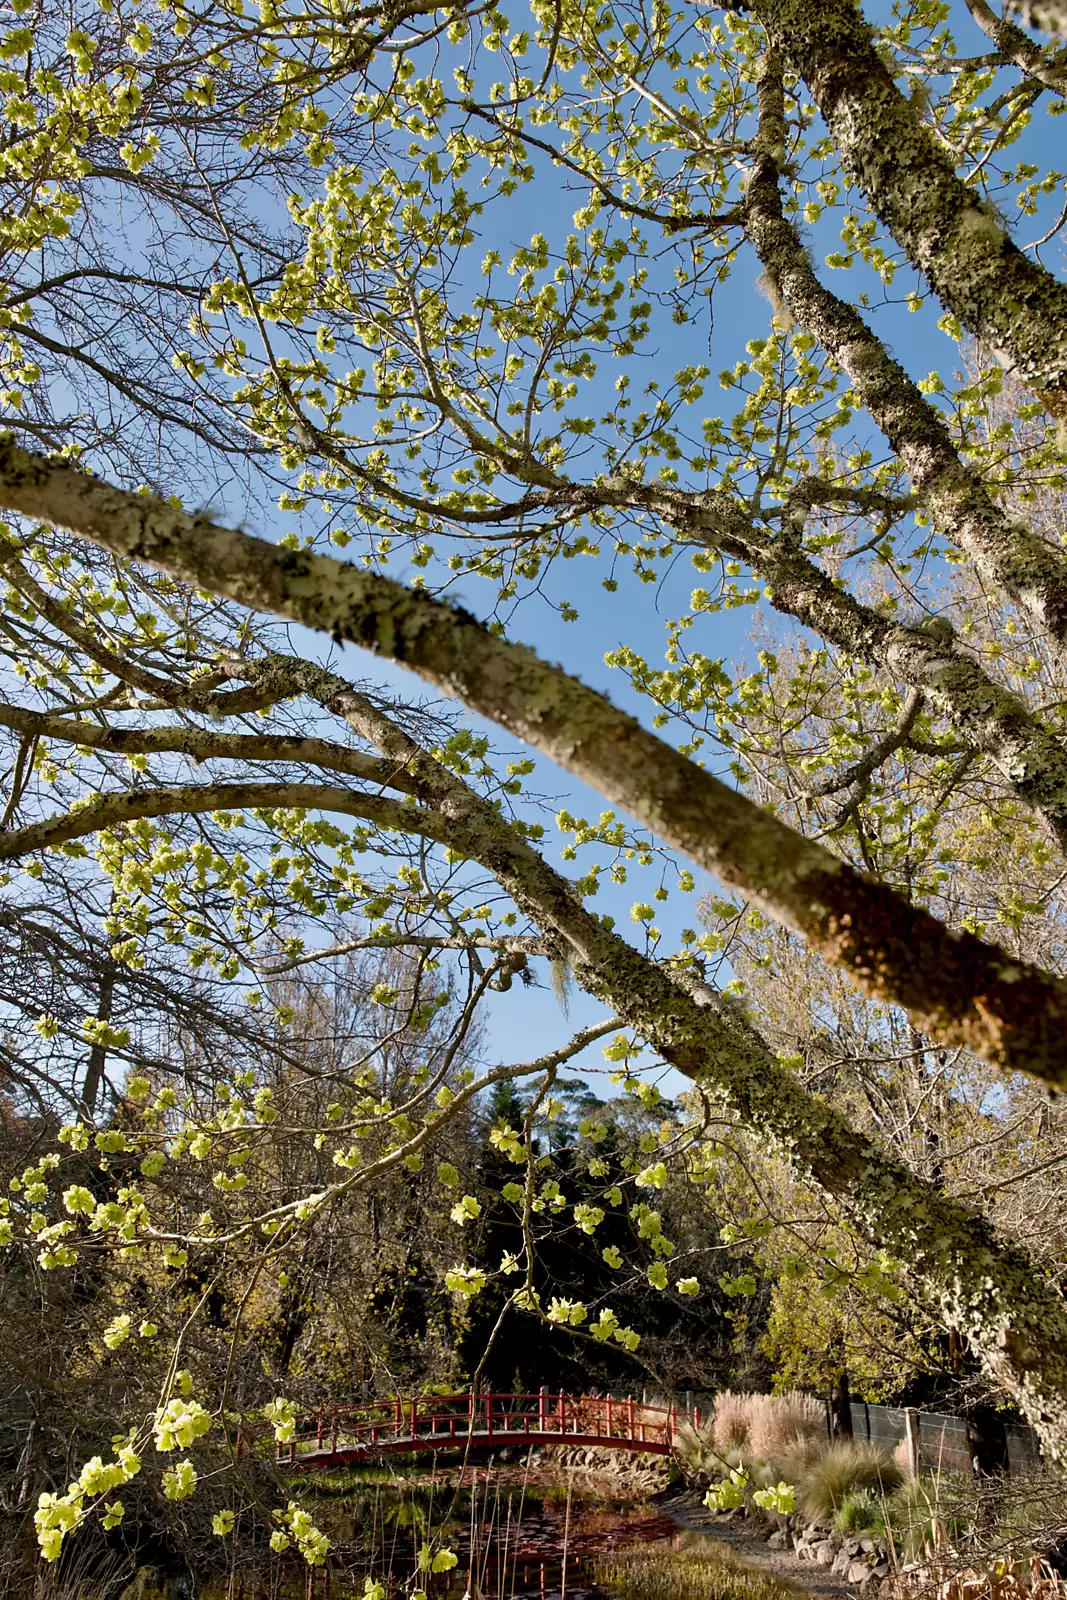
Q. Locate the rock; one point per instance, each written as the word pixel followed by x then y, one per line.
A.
pixel 853 1547
pixel 823 1553
pixel 858 1572
pixel 869 1546
pixel 777 1540
pixel 840 1564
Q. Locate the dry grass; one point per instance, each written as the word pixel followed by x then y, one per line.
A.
pixel 662 1572
pixel 732 1419
pixel 1001 1580
pixel 777 1422
pixel 768 1427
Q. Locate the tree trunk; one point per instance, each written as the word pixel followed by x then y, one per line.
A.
pixel 987 1441
pixel 94 1071
pixel 841 1407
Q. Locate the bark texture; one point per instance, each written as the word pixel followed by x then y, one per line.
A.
pixel 1026 567
pixel 957 989
pixel 1006 300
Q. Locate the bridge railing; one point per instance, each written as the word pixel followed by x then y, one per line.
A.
pixel 431 1421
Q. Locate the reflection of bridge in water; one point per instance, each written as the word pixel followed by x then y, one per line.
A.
pixel 476 1421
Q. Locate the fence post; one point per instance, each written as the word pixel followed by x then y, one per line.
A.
pixel 912 1432
pixel 318 1431
pixel 399 1414
pixel 414 1417
pixel 611 1434
pixel 489 1414
pixel 562 1412
pixel 630 1417
pixel 541 1410
pixel 333 1432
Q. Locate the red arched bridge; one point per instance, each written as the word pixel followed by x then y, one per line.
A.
pixel 474 1420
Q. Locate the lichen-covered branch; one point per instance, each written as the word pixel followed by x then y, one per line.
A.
pixel 129 805
pixel 956 988
pixel 1049 15
pixel 1015 47
pixel 927 658
pixel 999 294
pixel 201 745
pixel 1029 569
pixel 517 944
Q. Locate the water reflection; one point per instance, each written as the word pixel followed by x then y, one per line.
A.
pixel 515 1538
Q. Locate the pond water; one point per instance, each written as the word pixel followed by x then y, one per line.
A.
pixel 515 1538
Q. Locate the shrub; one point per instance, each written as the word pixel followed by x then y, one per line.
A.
pixel 696 1452
pixel 842 1469
pixel 795 1461
pixel 861 1512
pixel 778 1421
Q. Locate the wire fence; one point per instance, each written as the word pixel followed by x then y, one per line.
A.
pixel 942 1437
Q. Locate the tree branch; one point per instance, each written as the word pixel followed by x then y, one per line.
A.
pixel 202 746
pixel 945 229
pixel 129 805
pixel 1026 567
pixel 957 989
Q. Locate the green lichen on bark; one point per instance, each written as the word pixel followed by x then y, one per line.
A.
pixel 1009 302
pixel 1025 566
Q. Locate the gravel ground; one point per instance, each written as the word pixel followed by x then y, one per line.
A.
pixel 686 1508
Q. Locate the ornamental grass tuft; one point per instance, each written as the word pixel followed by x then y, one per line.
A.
pixel 845 1468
